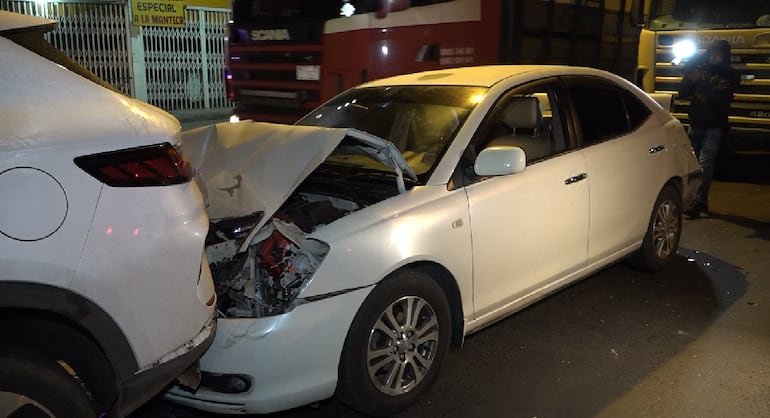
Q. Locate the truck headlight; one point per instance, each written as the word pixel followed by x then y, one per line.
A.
pixel 683 50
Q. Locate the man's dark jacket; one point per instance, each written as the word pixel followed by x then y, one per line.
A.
pixel 710 97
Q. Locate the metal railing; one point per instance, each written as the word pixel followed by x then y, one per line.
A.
pixel 183 68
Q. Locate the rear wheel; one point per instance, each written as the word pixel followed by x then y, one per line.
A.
pixel 33 386
pixel 395 345
pixel 663 232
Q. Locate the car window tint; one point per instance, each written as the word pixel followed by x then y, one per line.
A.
pixel 638 112
pixel 600 110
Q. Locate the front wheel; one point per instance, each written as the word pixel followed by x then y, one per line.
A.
pixel 663 232
pixel 35 386
pixel 395 345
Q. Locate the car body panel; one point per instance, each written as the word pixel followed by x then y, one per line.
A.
pixel 613 196
pixel 71 102
pixel 483 75
pixel 426 224
pixel 15 21
pixel 167 237
pixel 509 239
pixel 685 161
pixel 247 346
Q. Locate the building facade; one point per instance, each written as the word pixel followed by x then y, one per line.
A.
pixel 175 63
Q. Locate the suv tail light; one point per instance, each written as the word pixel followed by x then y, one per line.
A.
pixel 152 165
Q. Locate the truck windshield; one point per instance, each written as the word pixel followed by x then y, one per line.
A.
pixel 708 14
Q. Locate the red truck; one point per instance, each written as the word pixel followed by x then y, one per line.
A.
pixel 287 56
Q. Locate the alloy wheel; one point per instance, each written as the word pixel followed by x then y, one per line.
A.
pixel 402 345
pixel 665 229
pixel 14 404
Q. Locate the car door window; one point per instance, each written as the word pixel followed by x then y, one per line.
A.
pixel 527 117
pixel 604 110
pixel 638 112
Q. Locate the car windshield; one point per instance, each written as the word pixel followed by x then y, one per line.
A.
pixel 705 14
pixel 420 120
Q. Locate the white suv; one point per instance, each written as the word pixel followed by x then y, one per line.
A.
pixel 105 295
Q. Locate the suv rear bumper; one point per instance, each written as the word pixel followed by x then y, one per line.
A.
pixel 139 388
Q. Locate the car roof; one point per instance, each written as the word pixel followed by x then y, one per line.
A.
pixel 15 22
pixel 485 75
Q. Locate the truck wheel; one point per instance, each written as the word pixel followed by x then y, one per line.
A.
pixel 33 386
pixel 395 345
pixel 663 232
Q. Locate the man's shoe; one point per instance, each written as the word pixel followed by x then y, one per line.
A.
pixel 695 210
pixel 692 212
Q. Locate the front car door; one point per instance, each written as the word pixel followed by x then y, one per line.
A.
pixel 530 229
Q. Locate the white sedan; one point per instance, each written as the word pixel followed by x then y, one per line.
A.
pixel 352 250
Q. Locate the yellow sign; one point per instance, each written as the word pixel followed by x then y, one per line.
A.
pixel 158 12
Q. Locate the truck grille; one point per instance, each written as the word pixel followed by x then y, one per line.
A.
pixel 268 81
pixel 750 110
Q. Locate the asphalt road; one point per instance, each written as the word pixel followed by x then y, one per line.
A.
pixel 691 341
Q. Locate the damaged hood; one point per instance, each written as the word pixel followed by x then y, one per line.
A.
pixel 250 167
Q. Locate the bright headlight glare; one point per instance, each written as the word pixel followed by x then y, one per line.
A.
pixel 684 49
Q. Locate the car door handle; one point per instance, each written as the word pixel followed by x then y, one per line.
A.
pixel 656 149
pixel 575 179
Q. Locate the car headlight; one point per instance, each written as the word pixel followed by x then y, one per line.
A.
pixel 265 279
pixel 683 50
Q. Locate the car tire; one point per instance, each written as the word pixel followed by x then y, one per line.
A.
pixel 389 359
pixel 663 232
pixel 35 386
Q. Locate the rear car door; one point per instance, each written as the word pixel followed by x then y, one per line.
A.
pixel 623 146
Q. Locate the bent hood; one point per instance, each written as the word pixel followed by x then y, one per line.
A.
pixel 249 167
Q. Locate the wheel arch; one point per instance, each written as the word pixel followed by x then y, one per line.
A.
pixel 676 183
pixel 356 385
pixel 63 325
pixel 645 257
pixel 448 284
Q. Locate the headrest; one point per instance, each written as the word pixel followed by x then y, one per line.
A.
pixel 524 112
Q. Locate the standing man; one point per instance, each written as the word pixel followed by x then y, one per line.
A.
pixel 709 82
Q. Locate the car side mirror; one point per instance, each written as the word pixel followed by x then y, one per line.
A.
pixel 500 161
